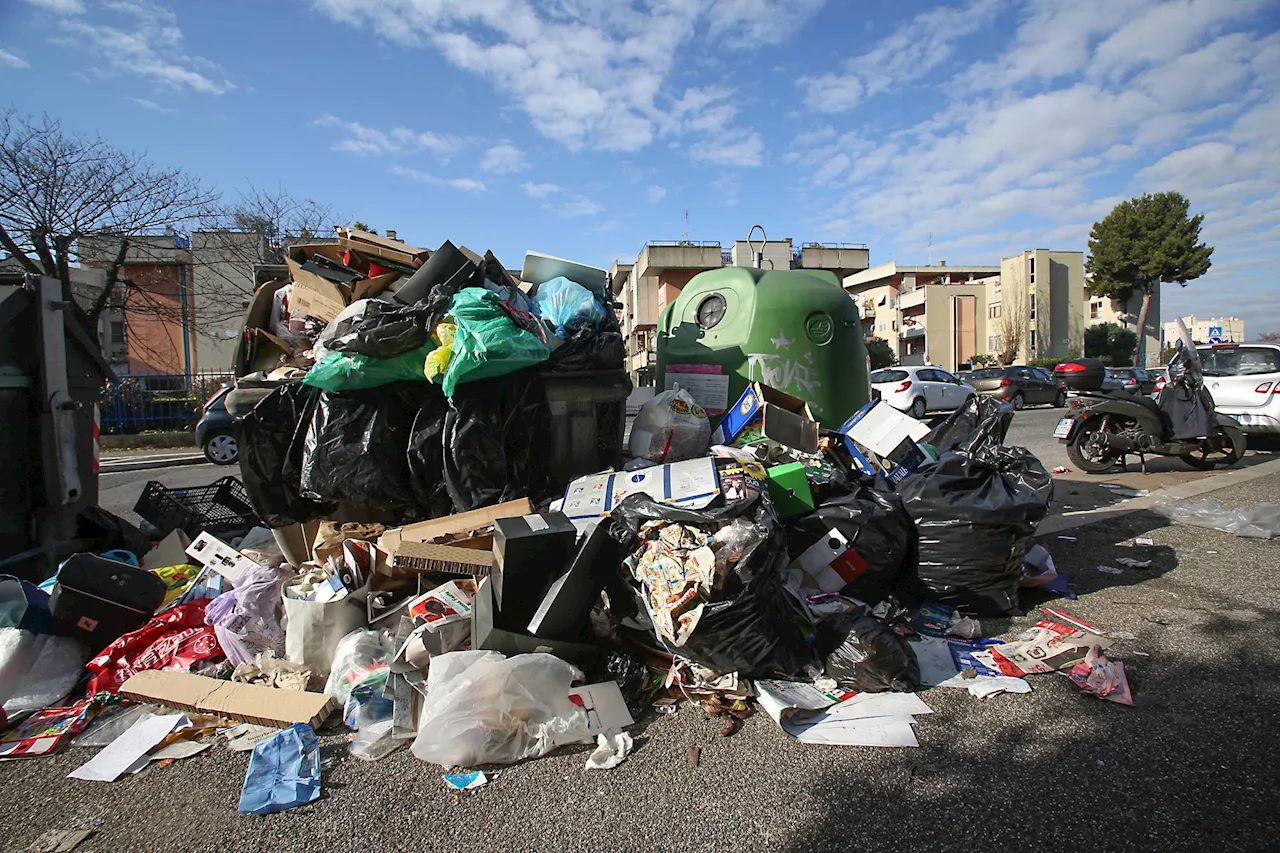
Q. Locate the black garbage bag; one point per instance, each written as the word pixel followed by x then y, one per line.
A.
pixel 587 349
pixel 425 454
pixel 865 655
pixel 497 440
pixel 982 422
pixel 355 449
pixel 109 531
pixel 748 626
pixel 271 444
pixel 975 515
pixel 870 538
pixel 385 331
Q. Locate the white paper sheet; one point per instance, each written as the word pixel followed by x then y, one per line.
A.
pixel 870 705
pixel 879 731
pixel 119 756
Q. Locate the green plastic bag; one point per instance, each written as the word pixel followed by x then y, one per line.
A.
pixel 488 342
pixel 340 371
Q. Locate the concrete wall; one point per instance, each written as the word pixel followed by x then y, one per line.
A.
pixel 777 254
pixel 955 323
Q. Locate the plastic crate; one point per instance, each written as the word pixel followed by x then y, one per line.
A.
pixel 218 507
pixel 588 419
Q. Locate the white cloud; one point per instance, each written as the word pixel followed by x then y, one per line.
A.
pixel 504 159
pixel 144 39
pixel 151 105
pixel 361 139
pixel 906 55
pixel 657 194
pixel 588 73
pixel 737 148
pixel 533 190
pixel 462 184
pixel 578 205
pixel 61 7
pixel 13 60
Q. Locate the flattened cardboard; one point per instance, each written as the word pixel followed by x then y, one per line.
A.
pixel 252 703
pixel 452 525
pixel 784 419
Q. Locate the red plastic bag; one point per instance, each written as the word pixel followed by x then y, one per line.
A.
pixel 176 639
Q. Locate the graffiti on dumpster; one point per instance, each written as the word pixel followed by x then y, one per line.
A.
pixel 793 375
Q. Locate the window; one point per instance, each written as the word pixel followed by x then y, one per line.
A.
pixel 1095 310
pixel 1033 306
pixel 943 376
pixel 882 327
pixel 882 376
pixel 895 325
pixel 927 376
pixel 1033 269
pixel 993 343
pixel 993 311
pixel 117 331
pixel 1033 339
pixel 1240 361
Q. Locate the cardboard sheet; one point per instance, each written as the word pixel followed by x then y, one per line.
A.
pixel 250 703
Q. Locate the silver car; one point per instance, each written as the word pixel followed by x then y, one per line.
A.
pixel 1244 380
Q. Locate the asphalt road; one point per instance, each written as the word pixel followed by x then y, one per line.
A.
pixel 1190 767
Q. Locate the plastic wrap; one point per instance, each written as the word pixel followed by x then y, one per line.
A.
pixel 1255 522
pixel 671 427
pixel 867 656
pixel 482 708
pixel 975 515
pixel 568 306
pixel 271 445
pixel 488 341
pixel 747 626
pixel 246 619
pixel 877 528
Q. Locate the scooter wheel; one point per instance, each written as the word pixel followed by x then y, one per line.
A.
pixel 1086 450
pixel 1226 448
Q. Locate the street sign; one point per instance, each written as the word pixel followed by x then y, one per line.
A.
pixel 1214 339
pixel 1215 331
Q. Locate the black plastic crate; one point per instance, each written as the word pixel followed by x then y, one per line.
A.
pixel 221 506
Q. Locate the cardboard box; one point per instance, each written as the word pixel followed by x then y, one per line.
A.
pixel 251 703
pixel 528 551
pixel 789 489
pixel 455 525
pixel 779 416
pixel 882 441
pixel 489 631
pixel 692 484
pixel 382 247
pixel 314 296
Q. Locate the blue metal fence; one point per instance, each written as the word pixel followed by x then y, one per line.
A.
pixel 146 402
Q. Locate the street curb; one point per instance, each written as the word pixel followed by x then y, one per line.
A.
pixel 146 464
pixel 1162 497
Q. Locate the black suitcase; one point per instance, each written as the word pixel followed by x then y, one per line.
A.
pixel 97 600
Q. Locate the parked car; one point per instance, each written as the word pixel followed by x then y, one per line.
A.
pixel 1135 380
pixel 213 433
pixel 1244 380
pixel 1019 385
pixel 919 390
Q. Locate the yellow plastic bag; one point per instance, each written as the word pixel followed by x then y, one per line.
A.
pixel 177 580
pixel 438 360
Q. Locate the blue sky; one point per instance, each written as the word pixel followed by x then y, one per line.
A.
pixel 586 127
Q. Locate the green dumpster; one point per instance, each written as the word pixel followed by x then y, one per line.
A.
pixel 796 330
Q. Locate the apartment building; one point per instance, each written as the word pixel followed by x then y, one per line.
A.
pixel 1104 309
pixel 1207 330
pixel 663 268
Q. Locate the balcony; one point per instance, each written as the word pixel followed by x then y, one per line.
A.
pixel 682 255
pixel 847 257
pixel 913 299
pixel 909 332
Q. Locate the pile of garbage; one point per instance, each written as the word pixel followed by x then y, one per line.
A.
pixel 415 584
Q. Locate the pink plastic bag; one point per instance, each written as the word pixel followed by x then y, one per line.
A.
pixel 247 620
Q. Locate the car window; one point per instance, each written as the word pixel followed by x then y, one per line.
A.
pixel 1023 373
pixel 1240 361
pixel 943 376
pixel 881 376
pixel 1042 374
pixel 987 373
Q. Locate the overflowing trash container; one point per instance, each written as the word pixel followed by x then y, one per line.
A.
pixel 456 552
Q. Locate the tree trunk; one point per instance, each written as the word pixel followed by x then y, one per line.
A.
pixel 61 245
pixel 1140 360
pixel 113 276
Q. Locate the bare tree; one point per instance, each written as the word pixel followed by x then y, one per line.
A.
pixel 1015 323
pixel 59 190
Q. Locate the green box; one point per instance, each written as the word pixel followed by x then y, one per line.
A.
pixel 789 489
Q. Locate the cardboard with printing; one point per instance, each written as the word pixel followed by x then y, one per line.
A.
pixel 882 441
pixel 251 703
pixel 313 296
pixel 692 484
pixel 778 416
pixel 378 246
pixel 208 550
pixel 528 552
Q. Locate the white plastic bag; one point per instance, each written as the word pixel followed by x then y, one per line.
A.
pixel 483 708
pixel 1257 522
pixel 670 428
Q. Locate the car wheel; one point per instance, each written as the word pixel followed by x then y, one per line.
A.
pixel 220 448
pixel 1017 401
pixel 918 408
pixel 1060 400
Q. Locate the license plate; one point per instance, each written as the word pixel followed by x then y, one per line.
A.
pixel 1064 428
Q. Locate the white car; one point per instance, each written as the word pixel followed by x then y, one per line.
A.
pixel 1244 380
pixel 919 390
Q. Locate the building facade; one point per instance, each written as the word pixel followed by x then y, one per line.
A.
pixel 1207 330
pixel 1104 309
pixel 662 269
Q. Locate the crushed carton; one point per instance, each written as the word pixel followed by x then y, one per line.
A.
pixel 882 441
pixel 251 703
pixel 762 413
pixel 692 484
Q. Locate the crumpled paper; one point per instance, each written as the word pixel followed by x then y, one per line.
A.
pixel 611 750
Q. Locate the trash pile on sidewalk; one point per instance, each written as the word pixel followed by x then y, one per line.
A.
pixel 432 577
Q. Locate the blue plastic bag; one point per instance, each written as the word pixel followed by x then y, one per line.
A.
pixel 568 306
pixel 284 771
